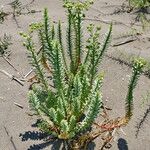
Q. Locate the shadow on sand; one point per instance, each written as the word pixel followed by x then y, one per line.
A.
pixel 122 144
pixel 46 140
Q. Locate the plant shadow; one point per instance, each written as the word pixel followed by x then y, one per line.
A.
pixel 47 140
pixel 122 144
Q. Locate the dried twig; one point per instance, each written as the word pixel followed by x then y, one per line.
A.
pixel 140 124
pixel 12 77
pixel 10 64
pixel 28 73
pixel 124 42
pixel 114 22
pixel 17 104
pixel 30 12
pixel 14 17
pixel 146 73
pixel 10 138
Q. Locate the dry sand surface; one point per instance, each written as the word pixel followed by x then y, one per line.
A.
pixel 17 128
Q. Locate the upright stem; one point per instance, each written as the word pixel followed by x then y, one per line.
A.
pixel 69 38
pixel 129 98
pixel 61 44
pixel 79 40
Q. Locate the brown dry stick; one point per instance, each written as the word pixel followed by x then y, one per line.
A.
pixel 10 138
pixel 12 77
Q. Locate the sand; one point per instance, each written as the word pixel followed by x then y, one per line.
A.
pixel 17 128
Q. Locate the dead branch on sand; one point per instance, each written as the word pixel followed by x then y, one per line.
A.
pixel 10 138
pixel 12 77
pixel 17 104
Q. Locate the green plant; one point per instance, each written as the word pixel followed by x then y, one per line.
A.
pixel 69 104
pixel 2 16
pixel 144 20
pixel 139 3
pixel 4 44
pixel 17 9
pixel 74 87
pixel 16 6
pixel 142 7
pixel 137 69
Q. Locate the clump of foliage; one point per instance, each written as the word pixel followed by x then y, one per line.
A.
pixel 69 104
pixel 16 6
pixel 143 19
pixel 77 84
pixel 142 7
pixel 4 44
pixel 137 70
pixel 2 16
pixel 140 4
pixel 17 9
